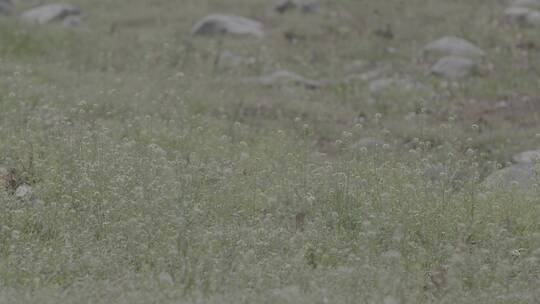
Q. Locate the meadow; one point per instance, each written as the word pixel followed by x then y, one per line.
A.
pixel 160 174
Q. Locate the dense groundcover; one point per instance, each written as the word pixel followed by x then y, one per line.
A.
pixel 141 163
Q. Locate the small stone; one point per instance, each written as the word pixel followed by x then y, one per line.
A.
pixel 453 67
pixel 52 12
pixel 456 46
pixel 24 192
pixel 218 24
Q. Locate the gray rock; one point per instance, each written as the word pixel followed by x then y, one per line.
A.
pixel 453 67
pixel 305 6
pixel 527 157
pixel 524 177
pixel 25 193
pixel 451 45
pixel 217 24
pixel 522 16
pixel 286 78
pixel 532 4
pixel 51 12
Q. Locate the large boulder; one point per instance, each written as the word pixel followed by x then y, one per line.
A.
pixel 24 192
pixel 453 67
pixel 454 46
pixel 218 24
pixel 67 14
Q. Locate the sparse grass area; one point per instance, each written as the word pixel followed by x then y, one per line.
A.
pixel 166 179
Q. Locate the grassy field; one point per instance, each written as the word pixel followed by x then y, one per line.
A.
pixel 162 177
